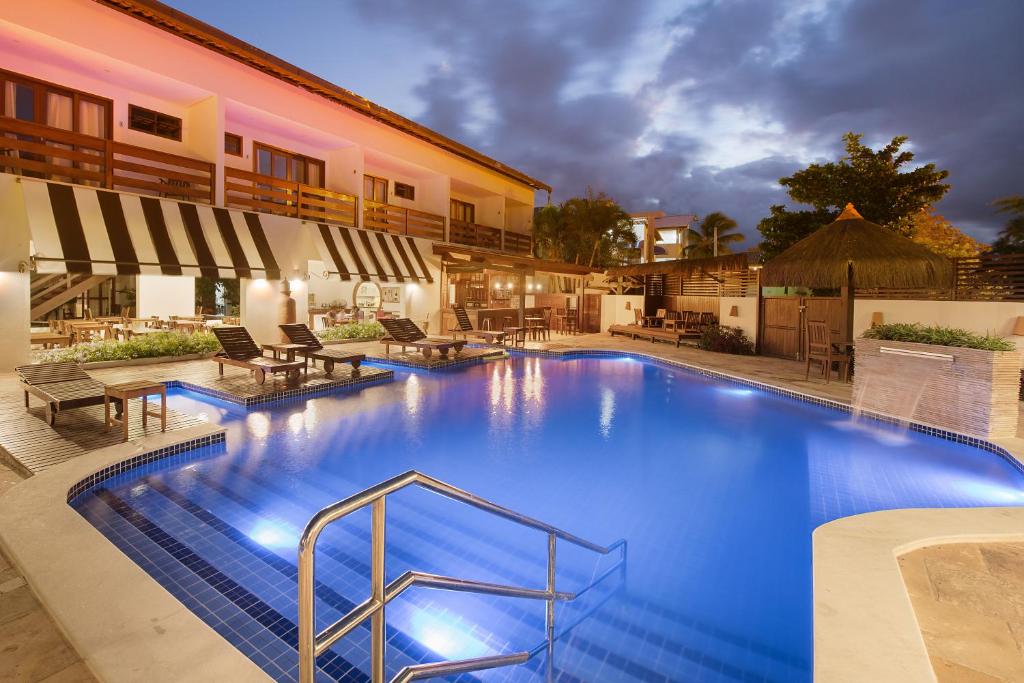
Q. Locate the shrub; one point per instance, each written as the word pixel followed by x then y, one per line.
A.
pixel 154 345
pixel 943 336
pixel 725 340
pixel 371 330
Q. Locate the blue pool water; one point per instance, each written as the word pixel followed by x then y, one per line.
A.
pixel 716 487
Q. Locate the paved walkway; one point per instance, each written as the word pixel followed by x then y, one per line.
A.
pixel 969 602
pixel 32 650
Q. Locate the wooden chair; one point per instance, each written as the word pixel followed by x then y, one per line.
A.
pixel 638 317
pixel 820 349
pixel 299 333
pixel 60 386
pixel 403 332
pixel 464 326
pixel 241 351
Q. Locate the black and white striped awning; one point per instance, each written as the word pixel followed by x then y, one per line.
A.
pixel 80 229
pixel 349 253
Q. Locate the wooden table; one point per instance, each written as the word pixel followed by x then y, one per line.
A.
pixel 517 335
pixel 50 340
pixel 289 352
pixel 128 390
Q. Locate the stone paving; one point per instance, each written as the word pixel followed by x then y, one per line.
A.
pixel 969 602
pixel 32 650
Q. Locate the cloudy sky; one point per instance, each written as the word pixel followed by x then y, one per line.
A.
pixel 685 105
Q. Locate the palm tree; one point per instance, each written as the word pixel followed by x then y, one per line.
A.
pixel 713 236
pixel 1011 237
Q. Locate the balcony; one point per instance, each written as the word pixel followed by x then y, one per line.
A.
pixel 267 194
pixel 397 219
pixel 38 151
pixel 476 235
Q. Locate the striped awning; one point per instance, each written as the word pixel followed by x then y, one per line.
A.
pixel 349 252
pixel 79 229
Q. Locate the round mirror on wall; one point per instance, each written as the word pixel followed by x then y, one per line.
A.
pixel 367 295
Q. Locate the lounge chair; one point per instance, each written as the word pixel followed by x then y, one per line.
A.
pixel 241 351
pixel 61 386
pixel 466 328
pixel 299 333
pixel 403 332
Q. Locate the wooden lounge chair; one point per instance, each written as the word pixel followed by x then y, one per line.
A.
pixel 61 386
pixel 299 333
pixel 241 351
pixel 403 332
pixel 466 328
pixel 820 349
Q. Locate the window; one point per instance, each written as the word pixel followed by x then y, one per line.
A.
pixel 28 99
pixel 375 189
pixel 405 191
pixel 463 211
pixel 233 144
pixel 154 123
pixel 286 165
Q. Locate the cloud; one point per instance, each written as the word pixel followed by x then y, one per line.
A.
pixel 701 105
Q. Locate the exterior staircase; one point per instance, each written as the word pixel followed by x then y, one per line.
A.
pixel 52 290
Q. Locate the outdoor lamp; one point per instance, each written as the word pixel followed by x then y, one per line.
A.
pixel 734 312
pixel 876 319
pixel 1018 327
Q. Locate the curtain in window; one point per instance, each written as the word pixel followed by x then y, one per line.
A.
pixel 60 114
pixel 92 120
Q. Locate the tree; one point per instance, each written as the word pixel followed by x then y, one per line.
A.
pixel 1011 237
pixel 874 181
pixel 931 230
pixel 701 242
pixel 591 230
pixel 782 228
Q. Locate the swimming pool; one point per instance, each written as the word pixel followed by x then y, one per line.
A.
pixel 716 486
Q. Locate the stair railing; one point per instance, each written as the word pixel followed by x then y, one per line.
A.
pixel 313 644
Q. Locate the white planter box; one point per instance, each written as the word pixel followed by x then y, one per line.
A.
pixel 968 391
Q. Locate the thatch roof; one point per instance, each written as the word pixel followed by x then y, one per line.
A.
pixel 879 258
pixel 712 264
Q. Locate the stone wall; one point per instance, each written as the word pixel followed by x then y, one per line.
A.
pixel 963 390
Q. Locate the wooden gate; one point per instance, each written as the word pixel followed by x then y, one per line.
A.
pixel 782 322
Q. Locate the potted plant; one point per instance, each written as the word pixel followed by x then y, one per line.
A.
pixel 945 377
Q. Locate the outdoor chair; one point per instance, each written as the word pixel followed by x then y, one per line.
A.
pixel 404 333
pixel 241 351
pixel 61 386
pixel 465 327
pixel 299 333
pixel 820 349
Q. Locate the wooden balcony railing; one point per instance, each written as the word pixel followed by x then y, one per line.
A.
pixel 391 218
pixel 474 234
pixel 267 194
pixel 518 243
pixel 39 151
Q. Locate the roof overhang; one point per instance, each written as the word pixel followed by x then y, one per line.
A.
pixel 457 255
pixel 188 27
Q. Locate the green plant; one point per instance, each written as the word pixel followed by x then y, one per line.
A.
pixel 725 340
pixel 934 334
pixel 371 330
pixel 155 345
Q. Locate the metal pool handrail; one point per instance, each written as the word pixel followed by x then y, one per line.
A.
pixel 312 644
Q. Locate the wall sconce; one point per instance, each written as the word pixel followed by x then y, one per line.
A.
pixel 1018 327
pixel 629 306
pixel 497 285
pixel 877 319
pixel 734 312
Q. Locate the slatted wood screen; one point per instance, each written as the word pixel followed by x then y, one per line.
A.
pixel 990 277
pixel 700 283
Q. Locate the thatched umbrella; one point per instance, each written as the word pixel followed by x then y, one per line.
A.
pixel 853 252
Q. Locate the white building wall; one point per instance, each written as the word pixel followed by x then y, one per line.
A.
pixel 14 284
pixel 614 311
pixel 165 295
pixel 746 314
pixel 995 318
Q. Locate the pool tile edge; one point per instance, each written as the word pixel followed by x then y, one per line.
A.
pixel 124 625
